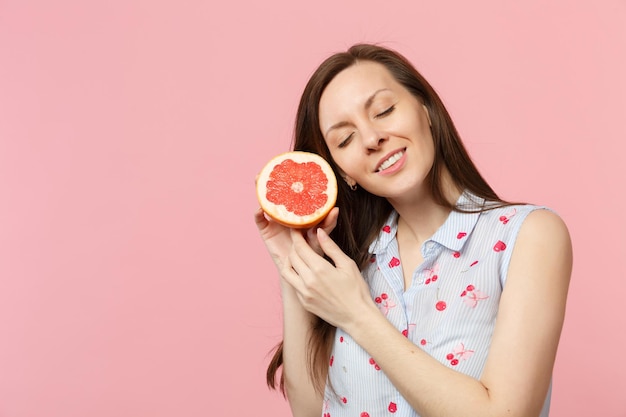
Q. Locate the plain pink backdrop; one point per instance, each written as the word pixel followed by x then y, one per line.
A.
pixel 132 279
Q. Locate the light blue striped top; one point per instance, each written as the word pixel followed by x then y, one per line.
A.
pixel 449 311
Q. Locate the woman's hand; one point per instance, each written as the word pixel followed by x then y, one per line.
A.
pixel 278 240
pixel 297 322
pixel 338 294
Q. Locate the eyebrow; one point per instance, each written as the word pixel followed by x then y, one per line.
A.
pixel 368 104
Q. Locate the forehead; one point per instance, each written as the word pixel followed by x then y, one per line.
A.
pixel 355 84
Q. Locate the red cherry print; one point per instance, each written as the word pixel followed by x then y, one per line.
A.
pixel 457 254
pixel 499 246
pixel 505 221
pixel 454 362
pixel 387 229
pixel 464 293
pixel 392 407
pixel 461 235
pixel 365 414
pixel 435 278
pixel 394 262
pixel 423 342
pixel 449 356
pixel 340 339
pixel 344 400
pixel 384 296
pixel 427 281
pixel 332 359
pixel 441 305
pixel 470 287
pixel 372 259
pixel 502 218
pixel 378 300
pixel 405 333
pixel 473 263
pixel 373 362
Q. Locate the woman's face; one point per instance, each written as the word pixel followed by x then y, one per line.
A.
pixel 377 132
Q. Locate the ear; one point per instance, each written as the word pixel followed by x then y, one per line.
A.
pixel 349 181
pixel 346 178
pixel 427 115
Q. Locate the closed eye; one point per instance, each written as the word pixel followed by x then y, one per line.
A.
pixel 386 112
pixel 345 141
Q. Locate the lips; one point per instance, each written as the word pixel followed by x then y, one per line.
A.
pixel 390 159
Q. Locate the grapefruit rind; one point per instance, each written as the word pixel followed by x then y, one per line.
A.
pixel 279 212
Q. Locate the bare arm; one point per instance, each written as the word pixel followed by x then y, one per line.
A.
pixel 303 399
pixel 529 323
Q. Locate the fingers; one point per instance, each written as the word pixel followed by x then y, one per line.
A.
pixel 310 257
pixel 314 260
pixel 330 222
pixel 297 263
pixel 302 248
pixel 305 267
pixel 291 276
pixel 260 219
pixel 331 249
pixel 311 238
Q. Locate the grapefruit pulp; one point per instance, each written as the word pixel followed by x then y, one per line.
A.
pixel 297 189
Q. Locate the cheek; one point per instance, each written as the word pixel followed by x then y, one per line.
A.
pixel 425 135
pixel 345 163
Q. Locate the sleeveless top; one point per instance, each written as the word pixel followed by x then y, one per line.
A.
pixel 449 311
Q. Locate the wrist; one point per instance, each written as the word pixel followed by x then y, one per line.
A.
pixel 366 316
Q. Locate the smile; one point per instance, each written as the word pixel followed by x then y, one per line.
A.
pixel 390 161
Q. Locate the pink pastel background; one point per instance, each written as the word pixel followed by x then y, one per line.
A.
pixel 132 279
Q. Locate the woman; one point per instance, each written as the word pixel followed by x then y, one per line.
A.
pixel 390 304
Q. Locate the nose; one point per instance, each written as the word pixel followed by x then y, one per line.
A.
pixel 375 145
pixel 373 139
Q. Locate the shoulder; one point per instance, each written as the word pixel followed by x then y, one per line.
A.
pixel 544 228
pixel 531 234
pixel 529 218
pixel 543 246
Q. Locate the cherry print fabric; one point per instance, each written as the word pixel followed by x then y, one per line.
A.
pixel 449 311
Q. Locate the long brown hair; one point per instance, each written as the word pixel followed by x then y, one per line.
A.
pixel 355 231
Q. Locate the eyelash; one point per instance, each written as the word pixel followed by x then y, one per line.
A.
pixel 379 115
pixel 345 141
pixel 386 112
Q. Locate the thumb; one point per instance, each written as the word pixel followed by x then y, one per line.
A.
pixel 331 249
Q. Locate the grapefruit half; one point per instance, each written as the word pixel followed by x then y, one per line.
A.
pixel 297 189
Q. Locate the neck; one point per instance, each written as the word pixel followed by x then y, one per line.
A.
pixel 421 216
